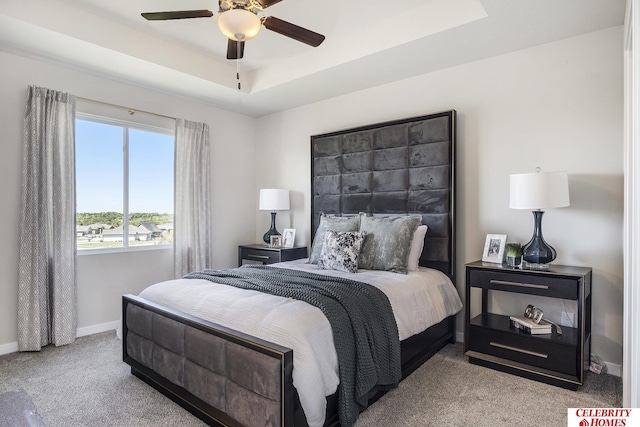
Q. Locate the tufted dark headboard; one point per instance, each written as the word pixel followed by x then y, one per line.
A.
pixel 392 168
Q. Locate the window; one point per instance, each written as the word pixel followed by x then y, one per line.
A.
pixel 124 184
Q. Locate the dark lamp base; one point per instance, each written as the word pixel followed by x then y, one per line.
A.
pixel 537 254
pixel 272 231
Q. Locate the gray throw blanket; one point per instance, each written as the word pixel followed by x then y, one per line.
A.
pixel 365 333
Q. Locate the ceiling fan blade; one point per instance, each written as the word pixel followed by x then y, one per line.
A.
pixel 232 50
pixel 178 14
pixel 295 32
pixel 266 3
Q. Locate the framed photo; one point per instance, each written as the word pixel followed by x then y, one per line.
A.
pixel 288 237
pixel 276 241
pixel 494 248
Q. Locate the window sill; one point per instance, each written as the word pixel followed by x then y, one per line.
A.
pixel 144 248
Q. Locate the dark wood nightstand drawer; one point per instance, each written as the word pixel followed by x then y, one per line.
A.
pixel 267 255
pixel 521 282
pixel 263 256
pixel 491 334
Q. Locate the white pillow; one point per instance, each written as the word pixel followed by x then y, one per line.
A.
pixel 417 243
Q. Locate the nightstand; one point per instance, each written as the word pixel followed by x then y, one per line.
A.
pixel 264 254
pixel 490 341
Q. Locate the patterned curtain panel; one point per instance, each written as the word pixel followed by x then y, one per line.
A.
pixel 47 312
pixel 192 221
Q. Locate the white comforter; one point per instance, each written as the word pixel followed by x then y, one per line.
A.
pixel 419 300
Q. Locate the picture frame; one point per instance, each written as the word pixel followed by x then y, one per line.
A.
pixel 494 248
pixel 275 241
pixel 288 237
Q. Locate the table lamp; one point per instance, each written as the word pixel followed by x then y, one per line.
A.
pixel 538 191
pixel 273 199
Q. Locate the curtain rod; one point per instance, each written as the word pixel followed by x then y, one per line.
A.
pixel 125 108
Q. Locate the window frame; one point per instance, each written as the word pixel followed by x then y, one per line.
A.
pixel 126 126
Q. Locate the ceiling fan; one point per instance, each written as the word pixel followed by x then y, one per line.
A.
pixel 239 21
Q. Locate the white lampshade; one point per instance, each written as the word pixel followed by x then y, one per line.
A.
pixel 539 190
pixel 273 199
pixel 239 24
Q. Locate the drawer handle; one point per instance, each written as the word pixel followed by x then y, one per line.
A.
pixel 521 350
pixel 523 285
pixel 257 256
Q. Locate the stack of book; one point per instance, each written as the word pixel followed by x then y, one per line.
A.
pixel 529 326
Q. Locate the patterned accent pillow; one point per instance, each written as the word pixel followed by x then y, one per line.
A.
pixel 340 250
pixel 335 223
pixel 388 242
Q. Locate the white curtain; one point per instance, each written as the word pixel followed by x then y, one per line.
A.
pixel 192 220
pixel 47 312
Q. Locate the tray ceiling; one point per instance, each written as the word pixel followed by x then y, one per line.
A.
pixel 368 43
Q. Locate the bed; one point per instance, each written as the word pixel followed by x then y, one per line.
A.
pixel 219 369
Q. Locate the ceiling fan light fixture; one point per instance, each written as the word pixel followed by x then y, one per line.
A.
pixel 239 24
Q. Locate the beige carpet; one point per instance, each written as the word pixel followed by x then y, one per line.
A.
pixel 86 384
pixel 17 410
pixel 449 391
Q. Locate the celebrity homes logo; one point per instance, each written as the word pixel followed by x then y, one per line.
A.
pixel 603 417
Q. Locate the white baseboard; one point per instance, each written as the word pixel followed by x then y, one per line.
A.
pixel 96 329
pixel 612 368
pixel 12 347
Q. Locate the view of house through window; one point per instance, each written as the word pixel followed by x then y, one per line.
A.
pixel 124 184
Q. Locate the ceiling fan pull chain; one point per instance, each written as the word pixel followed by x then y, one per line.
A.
pixel 238 65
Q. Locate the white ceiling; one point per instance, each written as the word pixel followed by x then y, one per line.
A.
pixel 368 42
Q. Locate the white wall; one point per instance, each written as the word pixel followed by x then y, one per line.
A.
pixel 102 279
pixel 558 106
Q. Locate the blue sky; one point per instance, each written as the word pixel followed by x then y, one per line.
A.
pixel 99 169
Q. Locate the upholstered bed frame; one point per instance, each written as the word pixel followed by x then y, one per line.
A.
pixel 229 378
pixel 404 167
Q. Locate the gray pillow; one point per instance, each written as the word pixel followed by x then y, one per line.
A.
pixel 388 242
pixel 335 223
pixel 340 250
